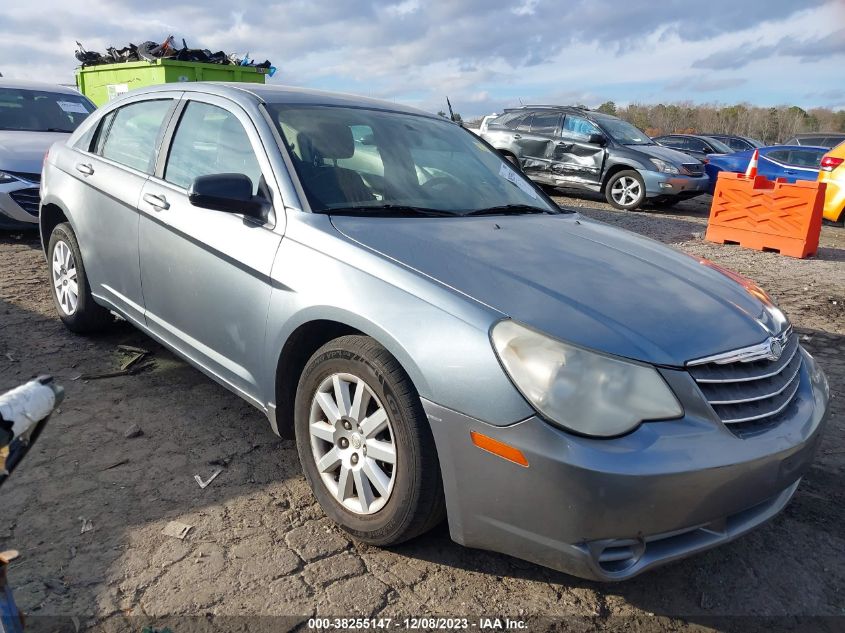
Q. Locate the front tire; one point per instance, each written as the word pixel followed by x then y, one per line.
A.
pixel 365 444
pixel 69 284
pixel 625 190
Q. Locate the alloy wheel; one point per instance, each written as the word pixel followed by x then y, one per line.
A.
pixel 353 443
pixel 65 280
pixel 626 190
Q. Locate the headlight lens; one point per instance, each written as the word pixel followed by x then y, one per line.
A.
pixel 5 178
pixel 664 167
pixel 582 391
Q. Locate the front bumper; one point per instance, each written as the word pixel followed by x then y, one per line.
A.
pixel 659 184
pixel 19 203
pixel 611 509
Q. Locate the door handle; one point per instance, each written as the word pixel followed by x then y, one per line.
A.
pixel 84 168
pixel 516 137
pixel 158 202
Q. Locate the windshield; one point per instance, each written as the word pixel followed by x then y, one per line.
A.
pixel 372 161
pixel 624 133
pixel 38 111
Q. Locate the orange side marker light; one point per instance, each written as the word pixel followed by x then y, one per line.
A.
pixel 498 448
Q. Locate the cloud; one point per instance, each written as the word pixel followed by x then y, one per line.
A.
pixel 806 50
pixel 419 51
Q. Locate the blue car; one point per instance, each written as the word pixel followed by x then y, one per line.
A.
pixel 793 162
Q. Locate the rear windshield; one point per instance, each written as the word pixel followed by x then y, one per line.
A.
pixel 39 111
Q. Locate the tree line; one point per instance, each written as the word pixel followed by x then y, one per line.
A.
pixel 771 125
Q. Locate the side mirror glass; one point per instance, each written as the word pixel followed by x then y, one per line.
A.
pixel 231 193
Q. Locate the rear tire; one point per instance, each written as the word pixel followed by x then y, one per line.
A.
pixel 69 284
pixel 625 190
pixel 376 501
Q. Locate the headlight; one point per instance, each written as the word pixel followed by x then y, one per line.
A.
pixel 582 391
pixel 5 178
pixel 664 167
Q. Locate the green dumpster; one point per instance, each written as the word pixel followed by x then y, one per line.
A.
pixel 107 81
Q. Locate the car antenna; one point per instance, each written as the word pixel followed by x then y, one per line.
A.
pixel 452 114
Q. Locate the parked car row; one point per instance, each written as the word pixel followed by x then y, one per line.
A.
pixel 573 147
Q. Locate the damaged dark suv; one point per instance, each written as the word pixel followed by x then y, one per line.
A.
pixel 564 146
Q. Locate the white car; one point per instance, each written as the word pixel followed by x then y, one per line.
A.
pixel 33 116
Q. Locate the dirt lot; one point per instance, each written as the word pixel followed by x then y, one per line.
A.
pixel 261 546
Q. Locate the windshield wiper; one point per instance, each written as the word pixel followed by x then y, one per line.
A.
pixel 389 210
pixel 510 209
pixel 55 129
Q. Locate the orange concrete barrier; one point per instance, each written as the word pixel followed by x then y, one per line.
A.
pixel 767 215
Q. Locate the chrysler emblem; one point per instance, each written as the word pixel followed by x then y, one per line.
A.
pixel 775 349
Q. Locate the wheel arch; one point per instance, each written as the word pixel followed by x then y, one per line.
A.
pixel 50 216
pixel 615 169
pixel 305 339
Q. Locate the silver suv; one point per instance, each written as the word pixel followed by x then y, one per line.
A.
pixel 437 335
pixel 33 116
pixel 562 146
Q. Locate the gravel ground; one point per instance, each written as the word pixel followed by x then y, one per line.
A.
pixel 261 546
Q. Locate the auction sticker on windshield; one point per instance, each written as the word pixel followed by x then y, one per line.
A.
pixel 509 174
pixel 72 106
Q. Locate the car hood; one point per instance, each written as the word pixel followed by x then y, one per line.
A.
pixel 664 153
pixel 24 151
pixel 578 280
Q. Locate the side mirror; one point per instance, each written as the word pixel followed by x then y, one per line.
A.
pixel 231 193
pixel 597 139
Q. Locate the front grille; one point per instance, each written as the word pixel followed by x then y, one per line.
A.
pixel 693 169
pixel 23 175
pixel 750 396
pixel 28 199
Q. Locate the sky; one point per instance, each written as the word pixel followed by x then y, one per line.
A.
pixel 483 54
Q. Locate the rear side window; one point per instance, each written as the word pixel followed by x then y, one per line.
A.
pixel 780 155
pixel 130 136
pixel 545 123
pixel 210 140
pixel 806 157
pixel 738 144
pixel 671 141
pixel 525 124
pixel 511 120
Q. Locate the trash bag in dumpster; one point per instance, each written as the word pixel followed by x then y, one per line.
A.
pixel 151 51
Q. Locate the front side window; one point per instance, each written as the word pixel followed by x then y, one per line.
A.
pixel 370 161
pixel 132 137
pixel 695 144
pixel 578 127
pixel 40 111
pixel 210 140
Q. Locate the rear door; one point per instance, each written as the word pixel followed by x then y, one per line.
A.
pixel 537 141
pixel 574 159
pixel 206 273
pixel 114 167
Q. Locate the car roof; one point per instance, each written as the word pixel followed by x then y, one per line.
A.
pixel 817 134
pixel 25 84
pixel 274 93
pixel 559 108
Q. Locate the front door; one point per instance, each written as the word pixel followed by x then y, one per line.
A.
pixel 575 160
pixel 206 273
